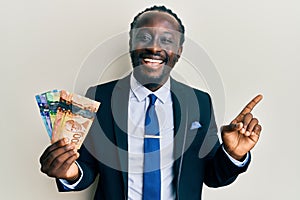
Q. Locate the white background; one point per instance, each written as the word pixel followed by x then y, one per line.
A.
pixel 254 45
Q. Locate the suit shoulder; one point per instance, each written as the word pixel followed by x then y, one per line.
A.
pixel 97 91
pixel 106 85
pixel 202 94
pixel 199 93
pixel 104 91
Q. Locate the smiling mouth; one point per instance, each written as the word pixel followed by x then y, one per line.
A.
pixel 153 62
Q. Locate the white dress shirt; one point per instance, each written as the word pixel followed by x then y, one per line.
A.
pixel 138 104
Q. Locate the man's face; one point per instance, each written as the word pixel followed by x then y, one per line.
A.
pixel 155 47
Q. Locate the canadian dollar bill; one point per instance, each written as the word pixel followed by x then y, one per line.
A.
pixel 67 115
pixel 78 115
pixel 57 124
pixel 53 100
pixel 44 112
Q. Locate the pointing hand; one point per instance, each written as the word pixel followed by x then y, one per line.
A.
pixel 241 135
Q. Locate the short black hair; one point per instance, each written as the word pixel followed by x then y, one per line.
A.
pixel 160 9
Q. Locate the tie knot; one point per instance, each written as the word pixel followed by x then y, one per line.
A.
pixel 152 99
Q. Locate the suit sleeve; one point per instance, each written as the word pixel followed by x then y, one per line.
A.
pixel 88 166
pixel 219 169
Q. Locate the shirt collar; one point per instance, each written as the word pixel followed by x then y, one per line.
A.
pixel 140 92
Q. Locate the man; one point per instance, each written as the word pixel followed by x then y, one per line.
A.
pixel 149 112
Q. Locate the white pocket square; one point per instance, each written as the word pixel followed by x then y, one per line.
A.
pixel 195 125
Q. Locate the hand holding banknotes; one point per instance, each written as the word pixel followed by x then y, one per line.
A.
pixel 58 160
pixel 67 118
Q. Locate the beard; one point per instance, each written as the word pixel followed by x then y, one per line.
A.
pixel 141 73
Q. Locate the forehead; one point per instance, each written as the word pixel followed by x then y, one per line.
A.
pixel 157 19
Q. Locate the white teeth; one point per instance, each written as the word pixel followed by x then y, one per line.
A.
pixel 153 60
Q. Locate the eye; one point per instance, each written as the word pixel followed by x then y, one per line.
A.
pixel 144 37
pixel 166 40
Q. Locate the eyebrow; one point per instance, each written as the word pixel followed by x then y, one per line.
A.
pixel 171 32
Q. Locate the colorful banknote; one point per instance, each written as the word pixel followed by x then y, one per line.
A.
pixel 53 100
pixel 44 112
pixel 70 115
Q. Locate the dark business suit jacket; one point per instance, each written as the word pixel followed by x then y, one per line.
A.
pixel 198 155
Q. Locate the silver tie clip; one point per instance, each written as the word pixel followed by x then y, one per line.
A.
pixel 153 136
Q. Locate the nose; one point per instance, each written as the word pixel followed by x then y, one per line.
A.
pixel 155 46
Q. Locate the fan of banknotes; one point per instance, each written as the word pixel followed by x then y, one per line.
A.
pixel 66 115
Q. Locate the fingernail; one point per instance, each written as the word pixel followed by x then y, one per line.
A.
pixel 243 130
pixel 247 133
pixel 66 140
pixel 252 133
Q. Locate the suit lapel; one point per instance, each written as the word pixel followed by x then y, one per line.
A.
pixel 180 103
pixel 120 99
pixel 186 110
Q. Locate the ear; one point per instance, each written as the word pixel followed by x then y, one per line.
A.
pixel 179 51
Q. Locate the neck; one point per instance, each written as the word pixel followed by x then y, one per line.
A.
pixel 153 87
pixel 153 84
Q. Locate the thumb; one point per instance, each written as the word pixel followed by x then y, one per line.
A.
pixel 232 127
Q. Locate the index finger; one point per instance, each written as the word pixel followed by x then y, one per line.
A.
pixel 249 107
